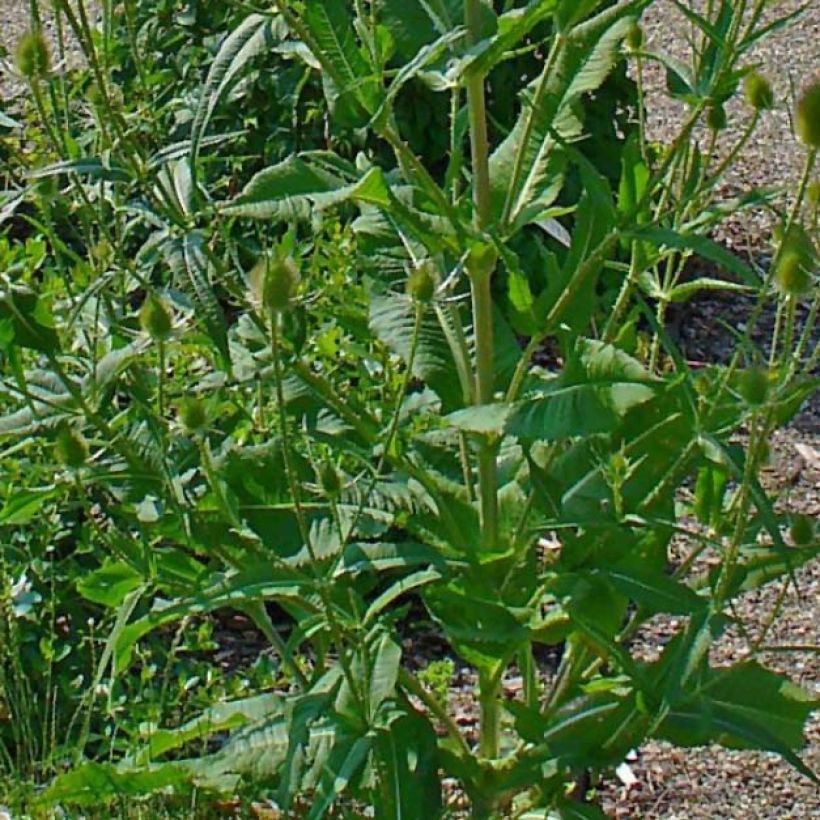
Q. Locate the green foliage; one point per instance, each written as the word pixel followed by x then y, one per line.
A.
pixel 261 362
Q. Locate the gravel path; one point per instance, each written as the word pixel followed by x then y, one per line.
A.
pixel 712 783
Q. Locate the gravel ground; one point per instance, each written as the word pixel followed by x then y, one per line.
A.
pixel 712 783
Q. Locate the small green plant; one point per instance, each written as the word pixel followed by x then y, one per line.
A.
pixel 438 676
pixel 348 337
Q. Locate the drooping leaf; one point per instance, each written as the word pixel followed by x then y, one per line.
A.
pixel 393 321
pixel 351 89
pixel 188 259
pixel 745 706
pixel 244 43
pixel 291 190
pixel 527 168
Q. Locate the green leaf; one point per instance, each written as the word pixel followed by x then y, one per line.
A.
pixel 595 390
pixel 95 169
pixel 701 245
pixel 241 46
pixel 222 717
pixel 384 671
pixel 566 809
pixel 259 582
pixel 350 83
pixel 743 707
pixel 343 764
pixel 407 765
pixel 99 783
pixel 528 167
pixel 188 258
pixel 382 556
pixel 22 506
pixel 654 591
pixel 416 23
pixel 291 190
pixel 28 317
pixel 110 583
pixel 393 320
pixel 513 27
pixel 7 122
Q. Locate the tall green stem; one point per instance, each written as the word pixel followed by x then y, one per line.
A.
pixel 480 280
pixel 480 283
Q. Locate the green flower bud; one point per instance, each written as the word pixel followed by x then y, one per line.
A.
pixel 807 116
pixel 156 319
pixel 481 260
pixel 801 531
pixel 635 38
pixel 421 284
pixel 33 58
pixel 71 448
pixel 754 385
pixel 329 480
pixel 192 415
pixel 273 283
pixel 716 117
pixel 792 276
pixel 758 92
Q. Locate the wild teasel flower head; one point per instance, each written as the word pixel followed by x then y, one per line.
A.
pixel 716 117
pixel 758 91
pixel 792 276
pixel 802 531
pixel 33 57
pixel 192 415
pixel 635 38
pixel 273 283
pixel 156 319
pixel 807 116
pixel 71 448
pixel 329 479
pixel 421 283
pixel 754 385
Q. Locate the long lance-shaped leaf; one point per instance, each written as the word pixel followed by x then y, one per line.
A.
pixel 258 583
pixel 527 167
pixel 188 259
pixel 238 49
pixel 513 26
pixel 344 762
pixel 291 189
pixel 346 72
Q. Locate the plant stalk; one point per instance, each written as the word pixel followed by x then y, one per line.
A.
pixel 483 329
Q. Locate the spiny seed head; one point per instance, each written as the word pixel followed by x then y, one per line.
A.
pixel 635 38
pixel 71 448
pixel 421 284
pixel 754 385
pixel 329 480
pixel 273 283
pixel 758 91
pixel 716 117
pixel 802 530
pixel 192 415
pixel 807 116
pixel 156 319
pixel 792 275
pixel 33 58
